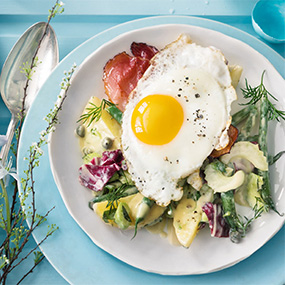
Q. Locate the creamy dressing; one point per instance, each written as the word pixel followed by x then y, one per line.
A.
pixel 159 228
pixel 165 229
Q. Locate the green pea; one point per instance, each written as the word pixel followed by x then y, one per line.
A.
pixel 80 131
pixel 87 150
pixel 107 143
pixel 122 217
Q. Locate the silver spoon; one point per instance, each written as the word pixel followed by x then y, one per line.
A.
pixel 13 80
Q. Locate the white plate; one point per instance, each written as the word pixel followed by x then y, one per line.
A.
pixel 147 251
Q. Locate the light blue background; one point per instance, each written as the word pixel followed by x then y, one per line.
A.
pixel 84 19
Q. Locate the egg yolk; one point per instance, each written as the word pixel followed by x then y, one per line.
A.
pixel 157 119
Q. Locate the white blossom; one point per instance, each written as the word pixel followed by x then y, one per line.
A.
pixel 3 171
pixel 4 260
pixel 52 129
pixel 43 133
pixel 37 148
pixel 8 170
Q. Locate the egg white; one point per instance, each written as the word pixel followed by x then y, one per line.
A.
pixel 199 79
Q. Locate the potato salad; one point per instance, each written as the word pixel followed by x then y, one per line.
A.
pixel 162 150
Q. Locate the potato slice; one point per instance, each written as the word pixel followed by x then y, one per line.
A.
pixel 106 126
pixel 132 201
pixel 186 221
pixel 101 207
pixel 235 72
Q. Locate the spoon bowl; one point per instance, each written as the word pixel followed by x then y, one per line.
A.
pixel 268 20
pixel 13 78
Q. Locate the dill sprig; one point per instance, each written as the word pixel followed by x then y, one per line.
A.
pixel 256 93
pixel 94 113
pixel 115 195
pixel 113 198
pixel 258 210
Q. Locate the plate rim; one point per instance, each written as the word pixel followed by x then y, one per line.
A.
pixel 141 21
pixel 56 173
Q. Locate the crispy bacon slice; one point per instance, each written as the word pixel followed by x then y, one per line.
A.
pixel 143 50
pixel 122 72
pixel 121 75
pixel 233 134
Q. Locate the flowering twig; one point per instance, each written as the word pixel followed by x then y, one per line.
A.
pixel 30 69
pixel 18 235
pixel 39 257
pixel 12 219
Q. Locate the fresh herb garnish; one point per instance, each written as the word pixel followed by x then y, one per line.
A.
pixel 258 92
pixel 94 113
pixel 273 159
pixel 258 210
pixel 113 196
pixel 267 111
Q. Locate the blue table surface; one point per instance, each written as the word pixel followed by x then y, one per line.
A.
pixel 83 20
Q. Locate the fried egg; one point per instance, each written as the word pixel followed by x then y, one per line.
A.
pixel 178 113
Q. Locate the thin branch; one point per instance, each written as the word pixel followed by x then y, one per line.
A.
pixel 31 270
pixel 18 234
pixel 22 112
pixel 34 156
pixel 32 250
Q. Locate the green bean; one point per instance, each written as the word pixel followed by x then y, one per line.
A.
pixel 246 129
pixel 229 208
pixel 263 126
pixel 112 185
pixel 231 216
pixel 265 191
pixel 219 166
pixel 115 177
pixel 241 115
pixel 253 138
pixel 125 177
pixel 122 217
pixel 228 205
pixel 143 209
pixel 115 113
pixel 273 159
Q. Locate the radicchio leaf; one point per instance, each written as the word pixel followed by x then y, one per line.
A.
pixel 217 223
pixel 98 172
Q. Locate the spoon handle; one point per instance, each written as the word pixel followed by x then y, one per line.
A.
pixel 10 134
